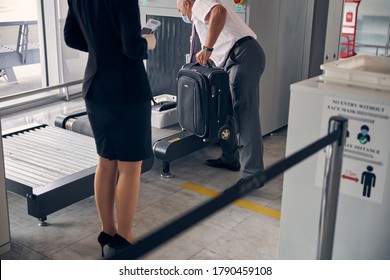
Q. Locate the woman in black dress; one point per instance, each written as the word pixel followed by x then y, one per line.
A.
pixel 118 100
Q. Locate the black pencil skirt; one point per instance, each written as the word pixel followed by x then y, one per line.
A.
pixel 121 131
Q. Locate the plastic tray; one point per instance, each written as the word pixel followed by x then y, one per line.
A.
pixel 361 70
pixel 164 118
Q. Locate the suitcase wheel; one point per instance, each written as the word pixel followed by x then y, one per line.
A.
pixel 224 133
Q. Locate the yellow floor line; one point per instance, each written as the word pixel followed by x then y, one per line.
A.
pixel 240 202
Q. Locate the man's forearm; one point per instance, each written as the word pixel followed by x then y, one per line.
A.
pixel 216 23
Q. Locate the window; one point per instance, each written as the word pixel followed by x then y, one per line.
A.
pixel 373 28
pixel 33 55
pixel 20 66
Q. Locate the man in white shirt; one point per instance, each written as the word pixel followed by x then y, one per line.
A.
pixel 232 45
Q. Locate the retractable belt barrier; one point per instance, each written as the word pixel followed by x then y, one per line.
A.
pixel 240 189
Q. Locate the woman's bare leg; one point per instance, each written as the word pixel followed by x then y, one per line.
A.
pixel 128 186
pixel 105 184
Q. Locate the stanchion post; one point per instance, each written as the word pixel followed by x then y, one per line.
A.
pixel 331 187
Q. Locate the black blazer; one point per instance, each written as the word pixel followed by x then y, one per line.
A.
pixel 109 30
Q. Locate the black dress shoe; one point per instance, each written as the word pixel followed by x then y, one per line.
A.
pixel 219 163
pixel 246 180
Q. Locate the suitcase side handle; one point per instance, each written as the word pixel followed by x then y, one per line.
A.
pixel 209 63
pixel 217 93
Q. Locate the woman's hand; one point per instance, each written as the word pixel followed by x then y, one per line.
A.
pixel 151 40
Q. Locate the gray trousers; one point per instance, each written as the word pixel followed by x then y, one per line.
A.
pixel 245 64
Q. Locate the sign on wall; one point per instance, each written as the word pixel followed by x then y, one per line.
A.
pixel 366 151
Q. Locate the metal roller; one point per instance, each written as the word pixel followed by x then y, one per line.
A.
pixel 41 155
pixel 51 167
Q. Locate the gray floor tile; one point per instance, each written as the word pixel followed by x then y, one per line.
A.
pixel 256 238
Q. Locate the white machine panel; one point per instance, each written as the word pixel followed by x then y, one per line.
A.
pixel 362 230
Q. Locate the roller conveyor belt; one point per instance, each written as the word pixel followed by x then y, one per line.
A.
pixel 52 167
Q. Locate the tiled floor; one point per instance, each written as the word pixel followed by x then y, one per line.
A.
pixel 235 232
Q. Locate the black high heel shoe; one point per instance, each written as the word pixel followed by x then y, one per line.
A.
pixel 121 246
pixel 119 242
pixel 105 239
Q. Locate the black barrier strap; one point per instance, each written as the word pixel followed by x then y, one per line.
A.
pixel 240 189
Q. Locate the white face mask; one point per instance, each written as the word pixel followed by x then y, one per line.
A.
pixel 185 19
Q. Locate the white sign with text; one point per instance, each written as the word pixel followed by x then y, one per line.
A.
pixel 366 151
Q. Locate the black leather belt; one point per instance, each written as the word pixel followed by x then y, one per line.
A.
pixel 242 40
pixel 237 44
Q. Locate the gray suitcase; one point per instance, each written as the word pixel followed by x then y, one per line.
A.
pixel 204 103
